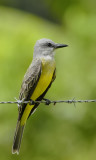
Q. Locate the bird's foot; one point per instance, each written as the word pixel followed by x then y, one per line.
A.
pixel 47 101
pixel 31 102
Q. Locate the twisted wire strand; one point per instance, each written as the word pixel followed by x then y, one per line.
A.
pixel 47 102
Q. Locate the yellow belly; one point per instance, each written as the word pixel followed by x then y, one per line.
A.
pixel 43 83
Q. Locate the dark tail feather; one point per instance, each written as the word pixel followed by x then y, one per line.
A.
pixel 17 138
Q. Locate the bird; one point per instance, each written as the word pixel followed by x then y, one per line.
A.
pixel 37 81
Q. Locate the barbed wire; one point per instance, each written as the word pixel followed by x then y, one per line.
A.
pixel 47 101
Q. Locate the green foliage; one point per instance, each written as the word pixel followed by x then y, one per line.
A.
pixel 55 132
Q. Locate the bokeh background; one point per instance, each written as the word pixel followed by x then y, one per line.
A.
pixel 63 131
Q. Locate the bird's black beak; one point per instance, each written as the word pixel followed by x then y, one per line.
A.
pixel 60 45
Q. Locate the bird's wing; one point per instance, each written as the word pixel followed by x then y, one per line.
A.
pixel 29 83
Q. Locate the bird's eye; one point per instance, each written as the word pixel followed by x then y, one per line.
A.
pixel 49 44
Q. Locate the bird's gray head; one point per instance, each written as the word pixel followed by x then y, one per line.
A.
pixel 46 47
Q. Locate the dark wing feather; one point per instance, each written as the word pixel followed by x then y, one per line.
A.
pixel 29 83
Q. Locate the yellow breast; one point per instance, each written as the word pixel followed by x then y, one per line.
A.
pixel 48 68
pixel 45 78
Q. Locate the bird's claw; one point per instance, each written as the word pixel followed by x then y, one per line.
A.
pixel 31 102
pixel 47 101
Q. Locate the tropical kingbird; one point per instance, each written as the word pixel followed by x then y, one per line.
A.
pixel 37 80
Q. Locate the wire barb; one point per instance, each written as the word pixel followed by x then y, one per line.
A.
pixel 47 101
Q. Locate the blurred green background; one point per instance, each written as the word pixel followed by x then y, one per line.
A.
pixel 63 131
